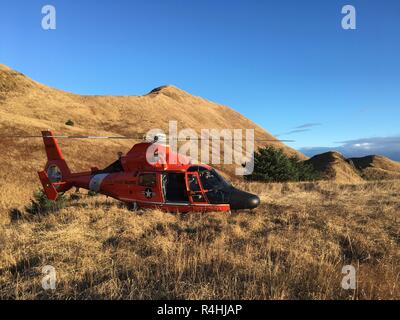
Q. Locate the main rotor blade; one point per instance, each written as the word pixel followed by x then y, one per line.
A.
pixel 70 137
pixel 133 138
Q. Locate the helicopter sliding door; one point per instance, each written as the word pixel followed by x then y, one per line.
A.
pixel 174 187
pixel 196 193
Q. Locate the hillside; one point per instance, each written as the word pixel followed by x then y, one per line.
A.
pixel 377 167
pixel 335 167
pixel 26 107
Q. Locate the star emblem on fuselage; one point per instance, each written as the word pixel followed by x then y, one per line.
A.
pixel 148 193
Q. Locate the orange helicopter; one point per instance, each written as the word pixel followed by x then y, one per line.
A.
pixel 177 186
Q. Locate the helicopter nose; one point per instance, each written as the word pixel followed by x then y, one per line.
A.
pixel 243 200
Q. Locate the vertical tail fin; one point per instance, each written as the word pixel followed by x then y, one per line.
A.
pixel 55 176
pixel 54 154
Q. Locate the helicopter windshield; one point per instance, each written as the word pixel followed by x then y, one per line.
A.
pixel 212 180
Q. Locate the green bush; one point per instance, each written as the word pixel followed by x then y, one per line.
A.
pixel 92 193
pixel 273 165
pixel 70 123
pixel 41 205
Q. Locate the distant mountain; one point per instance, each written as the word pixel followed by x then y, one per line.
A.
pixel 377 167
pixel 335 166
pixel 388 147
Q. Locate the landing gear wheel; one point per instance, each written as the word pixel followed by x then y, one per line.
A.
pixel 133 206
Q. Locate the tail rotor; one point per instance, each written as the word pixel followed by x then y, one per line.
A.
pixel 54 178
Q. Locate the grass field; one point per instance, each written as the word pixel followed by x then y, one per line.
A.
pixel 293 247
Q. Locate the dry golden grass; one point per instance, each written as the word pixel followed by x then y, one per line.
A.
pixel 293 247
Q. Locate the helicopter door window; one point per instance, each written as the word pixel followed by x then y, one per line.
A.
pixel 147 180
pixel 193 183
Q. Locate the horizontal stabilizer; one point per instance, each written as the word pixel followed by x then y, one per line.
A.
pixel 48 187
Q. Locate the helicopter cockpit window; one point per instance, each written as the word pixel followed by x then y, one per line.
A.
pixel 193 183
pixel 147 179
pixel 197 169
pixel 211 180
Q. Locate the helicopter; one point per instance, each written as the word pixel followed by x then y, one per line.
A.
pixel 178 186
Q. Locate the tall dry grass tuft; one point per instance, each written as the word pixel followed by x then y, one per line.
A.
pixel 293 247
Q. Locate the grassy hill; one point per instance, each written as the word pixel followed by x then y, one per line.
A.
pixel 27 107
pixel 377 167
pixel 336 167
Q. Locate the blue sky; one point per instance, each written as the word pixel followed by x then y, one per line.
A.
pixel 287 65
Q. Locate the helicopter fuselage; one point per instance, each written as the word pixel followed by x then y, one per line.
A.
pixel 179 186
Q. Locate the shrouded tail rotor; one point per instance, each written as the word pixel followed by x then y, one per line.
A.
pixel 54 178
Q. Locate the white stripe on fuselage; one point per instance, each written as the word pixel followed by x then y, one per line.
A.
pixel 95 182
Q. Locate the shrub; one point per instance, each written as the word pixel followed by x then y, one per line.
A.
pixel 70 123
pixel 92 193
pixel 15 215
pixel 273 165
pixel 41 205
pixel 74 197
